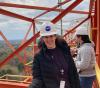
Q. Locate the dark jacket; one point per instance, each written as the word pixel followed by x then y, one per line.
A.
pixel 44 72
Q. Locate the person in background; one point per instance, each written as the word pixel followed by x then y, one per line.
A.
pixel 53 66
pixel 85 60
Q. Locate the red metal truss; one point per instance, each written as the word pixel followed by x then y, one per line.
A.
pixel 67 10
pixel 19 49
pixel 98 32
pixel 95 23
pixel 30 20
pixel 23 41
pixel 76 26
pixel 53 8
pixel 25 38
pixel 33 23
pixel 32 7
pixel 11 14
pixel 92 5
pixel 41 8
pixel 12 48
pixel 5 84
pixel 8 13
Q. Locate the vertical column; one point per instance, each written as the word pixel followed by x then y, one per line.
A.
pixel 98 33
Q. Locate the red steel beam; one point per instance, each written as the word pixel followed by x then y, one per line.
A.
pixel 34 43
pixel 25 6
pixel 76 26
pixel 94 23
pixel 39 8
pixel 5 84
pixel 33 28
pixel 30 7
pixel 79 12
pixel 11 14
pixel 98 33
pixel 51 9
pixel 19 49
pixel 25 38
pixel 91 7
pixel 12 48
pixel 67 10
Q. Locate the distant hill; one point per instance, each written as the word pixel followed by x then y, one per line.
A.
pixel 11 41
pixel 4 46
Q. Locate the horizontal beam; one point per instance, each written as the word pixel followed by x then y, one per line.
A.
pixel 38 8
pixel 53 8
pixel 4 84
pixel 11 14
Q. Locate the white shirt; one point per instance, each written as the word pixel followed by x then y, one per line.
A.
pixel 85 60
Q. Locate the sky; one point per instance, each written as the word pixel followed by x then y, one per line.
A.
pixel 14 29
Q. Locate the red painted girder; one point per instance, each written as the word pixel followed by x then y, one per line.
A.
pixel 92 4
pixel 25 38
pixel 98 32
pixel 76 26
pixel 25 6
pixel 11 14
pixel 12 48
pixel 67 10
pixel 79 12
pixel 19 49
pixel 39 8
pixel 58 5
pixel 31 7
pixel 5 84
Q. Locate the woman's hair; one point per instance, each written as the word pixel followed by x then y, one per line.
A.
pixel 85 38
pixel 59 39
pixel 40 42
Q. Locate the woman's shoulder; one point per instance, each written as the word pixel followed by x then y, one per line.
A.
pixel 87 46
pixel 38 55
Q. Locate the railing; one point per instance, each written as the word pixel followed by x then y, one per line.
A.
pixel 15 81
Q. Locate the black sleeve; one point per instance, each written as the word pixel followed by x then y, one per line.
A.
pixel 36 72
pixel 37 79
pixel 36 83
pixel 73 74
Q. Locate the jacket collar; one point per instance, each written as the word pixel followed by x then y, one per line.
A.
pixel 59 43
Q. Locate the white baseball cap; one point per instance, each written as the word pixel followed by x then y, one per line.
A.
pixel 48 29
pixel 81 31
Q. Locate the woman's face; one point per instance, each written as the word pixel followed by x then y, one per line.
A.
pixel 78 39
pixel 50 41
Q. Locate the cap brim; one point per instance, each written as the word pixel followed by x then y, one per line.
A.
pixel 47 34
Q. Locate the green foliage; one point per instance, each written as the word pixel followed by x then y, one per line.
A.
pixel 14 66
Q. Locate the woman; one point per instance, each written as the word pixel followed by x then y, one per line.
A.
pixel 53 66
pixel 85 61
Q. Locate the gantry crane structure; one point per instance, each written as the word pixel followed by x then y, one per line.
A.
pixel 93 15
